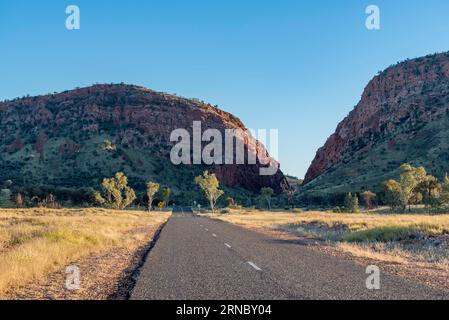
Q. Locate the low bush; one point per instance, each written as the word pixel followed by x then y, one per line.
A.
pixel 337 210
pixel 384 234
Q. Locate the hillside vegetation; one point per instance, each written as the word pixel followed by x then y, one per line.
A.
pixel 402 117
pixel 66 143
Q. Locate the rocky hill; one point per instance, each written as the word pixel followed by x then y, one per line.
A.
pixel 403 116
pixel 57 141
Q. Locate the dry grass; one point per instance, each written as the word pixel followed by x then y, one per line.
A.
pixel 35 242
pixel 395 238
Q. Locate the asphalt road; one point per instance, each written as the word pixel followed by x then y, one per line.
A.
pixel 202 259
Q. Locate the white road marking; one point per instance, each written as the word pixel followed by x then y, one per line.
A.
pixel 214 235
pixel 207 229
pixel 227 245
pixel 254 266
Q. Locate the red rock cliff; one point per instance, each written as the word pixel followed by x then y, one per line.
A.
pixel 414 91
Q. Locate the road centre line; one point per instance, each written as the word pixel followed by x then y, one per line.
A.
pixel 254 266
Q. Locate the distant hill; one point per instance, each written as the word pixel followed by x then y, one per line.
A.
pixel 294 181
pixel 403 116
pixel 71 140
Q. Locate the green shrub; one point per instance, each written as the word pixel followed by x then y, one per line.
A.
pixel 337 210
pixel 230 202
pixel 5 198
pixel 352 203
pixel 384 234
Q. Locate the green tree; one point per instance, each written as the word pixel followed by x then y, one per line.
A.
pixel 392 194
pixel 267 193
pixel 409 189
pixel 409 180
pixel 416 199
pixel 5 198
pixel 161 205
pixel 211 188
pixel 352 203
pixel 152 189
pixel 369 199
pixel 430 190
pixel 444 194
pixel 116 192
pixel 230 202
pixel 166 193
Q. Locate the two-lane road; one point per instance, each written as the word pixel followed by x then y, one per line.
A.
pixel 200 259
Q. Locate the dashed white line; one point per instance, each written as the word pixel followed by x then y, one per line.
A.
pixel 207 229
pixel 214 235
pixel 254 266
pixel 227 245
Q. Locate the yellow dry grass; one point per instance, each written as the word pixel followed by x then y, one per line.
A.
pixel 394 238
pixel 34 242
pixel 432 224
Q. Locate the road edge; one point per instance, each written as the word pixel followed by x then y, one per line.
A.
pixel 134 276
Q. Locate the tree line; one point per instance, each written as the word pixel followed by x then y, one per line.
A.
pixel 117 194
pixel 414 187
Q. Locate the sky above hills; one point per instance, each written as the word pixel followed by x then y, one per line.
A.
pixel 296 66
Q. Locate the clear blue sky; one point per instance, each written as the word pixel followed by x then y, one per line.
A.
pixel 299 66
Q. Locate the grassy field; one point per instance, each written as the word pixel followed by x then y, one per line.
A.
pixel 35 242
pixel 394 238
